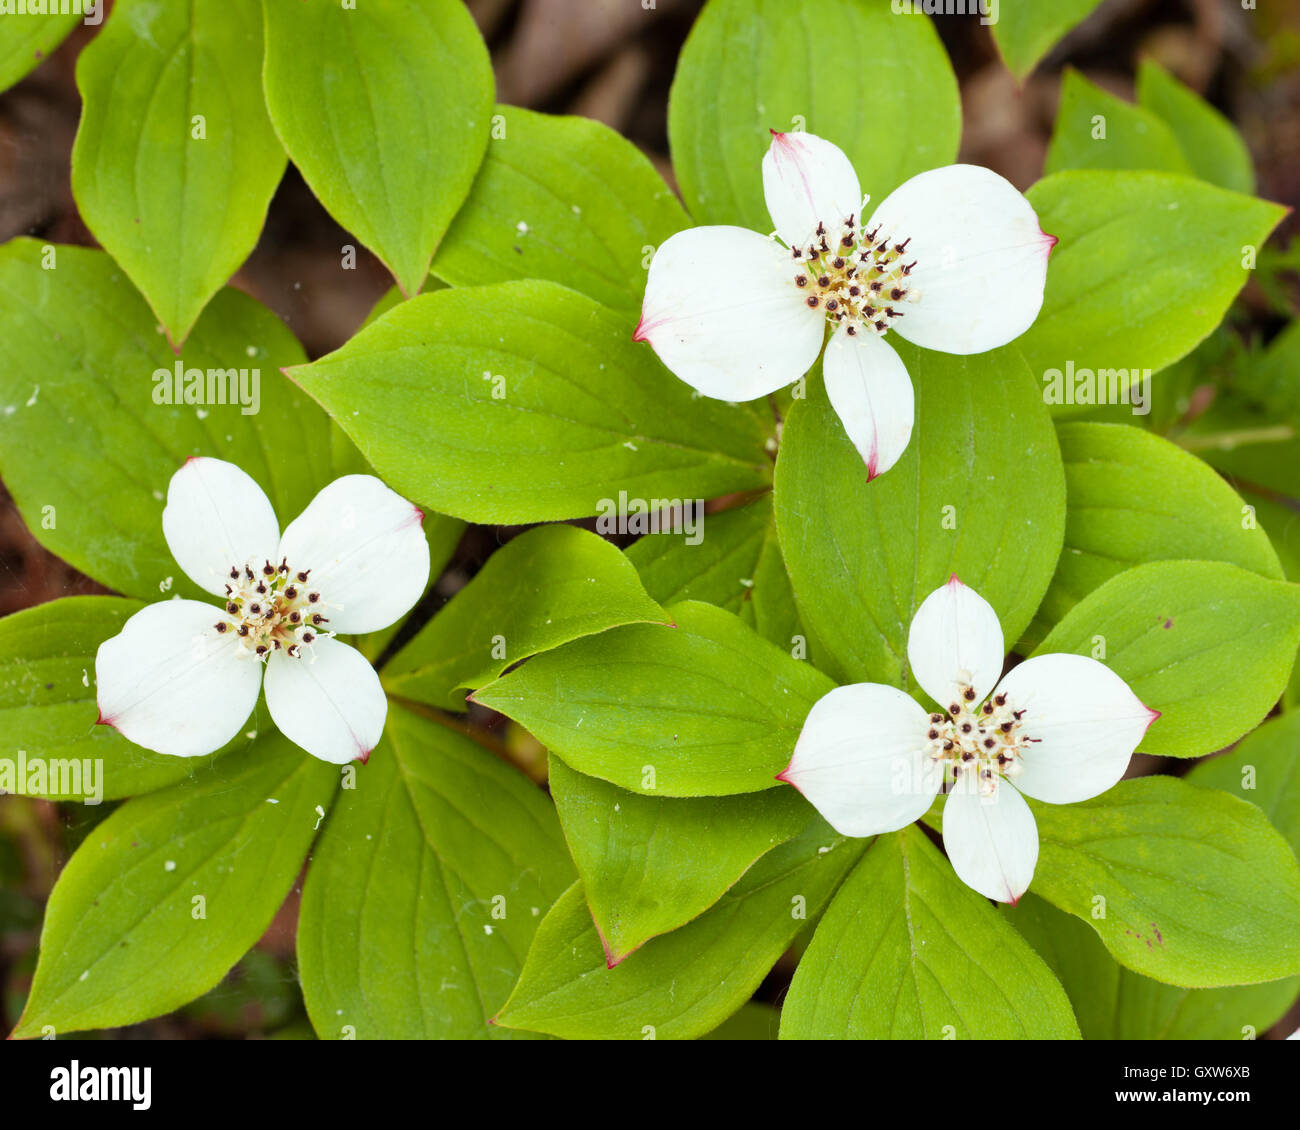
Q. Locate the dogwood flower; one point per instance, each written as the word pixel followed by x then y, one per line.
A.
pixel 182 676
pixel 1059 728
pixel 953 259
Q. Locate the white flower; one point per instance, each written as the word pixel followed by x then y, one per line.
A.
pixel 1059 728
pixel 182 676
pixel 953 260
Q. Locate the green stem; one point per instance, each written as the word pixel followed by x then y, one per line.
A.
pixel 1226 441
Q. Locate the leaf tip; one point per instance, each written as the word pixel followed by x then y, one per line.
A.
pixel 612 959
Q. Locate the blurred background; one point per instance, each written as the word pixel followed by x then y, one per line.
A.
pixel 611 60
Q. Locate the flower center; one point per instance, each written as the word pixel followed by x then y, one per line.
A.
pixel 985 743
pixel 273 608
pixel 859 277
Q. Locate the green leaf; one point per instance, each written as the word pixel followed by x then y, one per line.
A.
pixel 979 492
pixel 425 890
pixel 906 951
pixel 564 199
pixel 26 43
pixel 546 412
pixel 1282 524
pixel 736 565
pixel 544 588
pixel 1113 1003
pixel 1096 130
pixel 1133 497
pixel 1196 887
pixel 1210 143
pixel 705 708
pixel 384 108
pixel 1146 266
pixel 48 709
pixel 164 896
pixel 1028 30
pixel 1265 770
pixel 683 984
pixel 1207 644
pixel 851 71
pixel 86 449
pixel 651 864
pixel 175 160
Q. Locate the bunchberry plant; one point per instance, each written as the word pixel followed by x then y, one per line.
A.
pixel 596 498
pixel 738 316
pixel 1059 728
pixel 182 676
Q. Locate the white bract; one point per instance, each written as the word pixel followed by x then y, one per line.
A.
pixel 954 260
pixel 1059 728
pixel 182 676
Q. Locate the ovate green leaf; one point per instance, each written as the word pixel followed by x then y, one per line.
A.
pixel 385 108
pixel 753 66
pixel 176 160
pixel 1026 31
pixel 1096 130
pixel 546 587
pixel 1187 885
pixel 651 864
pixel 425 890
pixel 1113 1003
pixel 545 410
pixel 1133 497
pixel 907 951
pixel 682 984
pixel 1146 266
pixel 164 896
pixel 979 492
pixel 703 708
pixel 91 427
pixel 1210 143
pixel 48 710
pixel 1207 644
pixel 564 199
